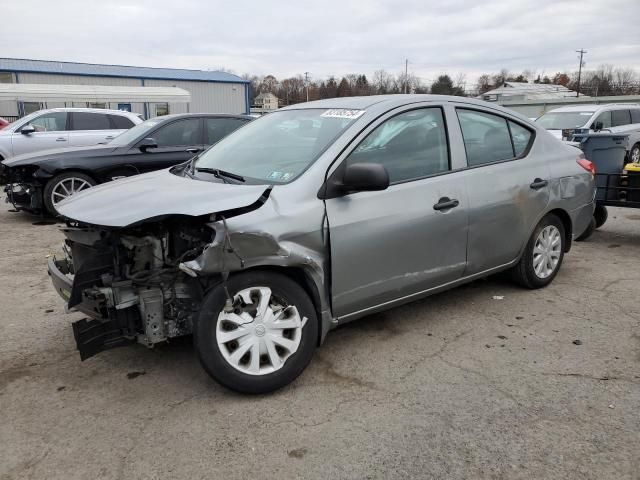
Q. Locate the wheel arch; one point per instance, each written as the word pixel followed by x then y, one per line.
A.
pixel 302 277
pixel 565 218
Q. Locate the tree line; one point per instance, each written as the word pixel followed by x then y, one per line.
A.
pixel 601 81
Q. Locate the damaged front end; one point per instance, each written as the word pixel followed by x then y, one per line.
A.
pixel 23 190
pixel 130 283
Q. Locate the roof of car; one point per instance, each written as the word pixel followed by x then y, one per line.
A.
pixel 593 108
pixel 361 103
pixel 91 110
pixel 195 115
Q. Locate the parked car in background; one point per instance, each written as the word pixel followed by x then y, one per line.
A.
pixel 315 215
pixel 63 127
pixel 42 180
pixel 3 123
pixel 614 117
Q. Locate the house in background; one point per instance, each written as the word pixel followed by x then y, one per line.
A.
pixel 265 103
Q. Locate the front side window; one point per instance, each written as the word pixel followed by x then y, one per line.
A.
pixel 486 137
pixel 410 145
pixel 635 115
pixel 179 133
pixel 218 128
pixel 50 122
pixel 89 121
pixel 604 119
pixel 280 146
pixel 620 118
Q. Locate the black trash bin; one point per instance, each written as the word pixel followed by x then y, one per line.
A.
pixel 607 151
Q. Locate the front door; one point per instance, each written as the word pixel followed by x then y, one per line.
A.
pixel 50 132
pixel 177 142
pixel 409 238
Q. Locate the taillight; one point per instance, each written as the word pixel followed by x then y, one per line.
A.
pixel 587 165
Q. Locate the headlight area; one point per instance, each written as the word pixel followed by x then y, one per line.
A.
pixel 130 284
pixel 22 190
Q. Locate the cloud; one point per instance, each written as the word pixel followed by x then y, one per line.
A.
pixel 326 37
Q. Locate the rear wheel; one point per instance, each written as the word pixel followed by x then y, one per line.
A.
pixel 63 186
pixel 261 340
pixel 600 215
pixel 543 254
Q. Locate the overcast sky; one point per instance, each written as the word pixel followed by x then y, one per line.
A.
pixel 326 37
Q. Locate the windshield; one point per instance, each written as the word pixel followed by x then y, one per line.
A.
pixel 562 120
pixel 125 138
pixel 278 147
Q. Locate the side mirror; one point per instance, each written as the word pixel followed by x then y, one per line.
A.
pixel 357 177
pixel 28 129
pixel 597 126
pixel 147 143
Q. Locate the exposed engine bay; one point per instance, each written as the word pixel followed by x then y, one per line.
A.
pixel 131 282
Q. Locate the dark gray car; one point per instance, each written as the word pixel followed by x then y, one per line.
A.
pixel 313 216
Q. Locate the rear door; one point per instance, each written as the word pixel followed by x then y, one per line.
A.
pixel 216 129
pixel 90 128
pixel 399 242
pixel 508 187
pixel 51 132
pixel 177 141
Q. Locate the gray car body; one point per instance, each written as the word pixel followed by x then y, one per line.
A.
pixel 367 251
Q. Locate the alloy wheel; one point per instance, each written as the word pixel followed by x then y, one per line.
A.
pixel 546 251
pixel 258 332
pixel 67 187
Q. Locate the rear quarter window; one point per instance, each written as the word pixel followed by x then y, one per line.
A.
pixel 120 122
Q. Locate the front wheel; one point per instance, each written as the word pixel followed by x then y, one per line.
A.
pixel 543 254
pixel 261 337
pixel 63 186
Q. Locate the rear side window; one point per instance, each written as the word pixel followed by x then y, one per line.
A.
pixel 218 128
pixel 521 137
pixel 178 133
pixel 89 121
pixel 486 137
pixel 620 117
pixel 410 146
pixel 635 115
pixel 120 123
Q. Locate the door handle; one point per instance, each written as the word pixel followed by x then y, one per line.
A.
pixel 538 183
pixel 193 150
pixel 110 137
pixel 61 139
pixel 446 203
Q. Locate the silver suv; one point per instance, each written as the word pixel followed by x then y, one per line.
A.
pixel 614 117
pixel 63 127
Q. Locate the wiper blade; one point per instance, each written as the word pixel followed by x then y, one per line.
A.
pixel 220 173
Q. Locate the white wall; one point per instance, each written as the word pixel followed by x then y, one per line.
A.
pixel 206 97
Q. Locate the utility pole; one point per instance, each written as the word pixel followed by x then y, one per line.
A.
pixel 306 83
pixel 582 51
pixel 406 74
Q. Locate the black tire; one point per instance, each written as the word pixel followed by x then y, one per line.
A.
pixel 51 184
pixel 600 215
pixel 588 232
pixel 523 273
pixel 209 353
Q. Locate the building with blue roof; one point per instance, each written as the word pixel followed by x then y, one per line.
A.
pixel 211 91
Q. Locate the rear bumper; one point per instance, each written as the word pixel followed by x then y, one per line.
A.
pixel 581 218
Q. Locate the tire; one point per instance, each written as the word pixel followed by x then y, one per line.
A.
pixel 524 273
pixel 634 153
pixel 600 215
pixel 53 188
pixel 588 232
pixel 217 355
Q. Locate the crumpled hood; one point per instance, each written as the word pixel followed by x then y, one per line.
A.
pixel 68 152
pixel 134 199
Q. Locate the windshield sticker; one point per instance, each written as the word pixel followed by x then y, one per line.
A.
pixel 274 175
pixel 343 113
pixel 286 176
